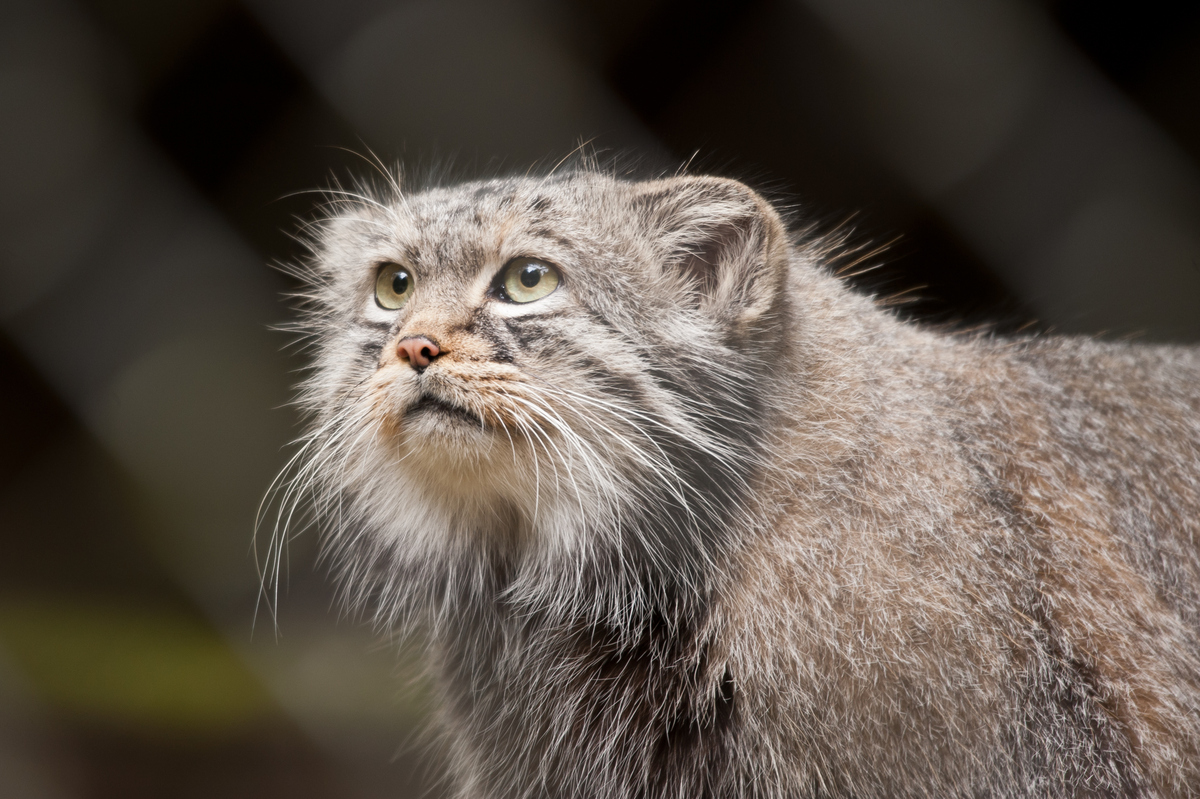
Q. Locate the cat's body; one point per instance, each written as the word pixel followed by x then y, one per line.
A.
pixel 701 521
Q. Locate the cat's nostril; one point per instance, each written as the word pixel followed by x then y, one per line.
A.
pixel 418 351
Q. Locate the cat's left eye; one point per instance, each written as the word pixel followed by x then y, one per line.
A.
pixel 393 286
pixel 528 279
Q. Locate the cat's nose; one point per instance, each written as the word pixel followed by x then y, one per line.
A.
pixel 418 351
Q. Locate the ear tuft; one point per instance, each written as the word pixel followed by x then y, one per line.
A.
pixel 724 240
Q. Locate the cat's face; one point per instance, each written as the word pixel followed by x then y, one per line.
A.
pixel 540 361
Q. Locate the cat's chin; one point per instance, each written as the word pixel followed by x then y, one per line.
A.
pixel 436 433
pixel 438 415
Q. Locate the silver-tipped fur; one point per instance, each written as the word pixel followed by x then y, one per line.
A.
pixel 702 521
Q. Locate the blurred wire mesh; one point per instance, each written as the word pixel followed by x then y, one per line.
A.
pixel 1032 163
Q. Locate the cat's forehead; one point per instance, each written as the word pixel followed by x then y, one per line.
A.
pixel 460 228
pixel 505 201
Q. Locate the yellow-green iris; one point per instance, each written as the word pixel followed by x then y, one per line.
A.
pixel 526 279
pixel 393 286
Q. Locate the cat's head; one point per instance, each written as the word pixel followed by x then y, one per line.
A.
pixel 568 367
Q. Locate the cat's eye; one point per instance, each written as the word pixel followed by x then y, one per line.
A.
pixel 528 279
pixel 393 286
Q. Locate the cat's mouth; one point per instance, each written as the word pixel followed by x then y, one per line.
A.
pixel 428 404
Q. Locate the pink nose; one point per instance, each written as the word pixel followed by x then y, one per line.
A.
pixel 419 351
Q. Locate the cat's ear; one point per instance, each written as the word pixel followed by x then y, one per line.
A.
pixel 724 243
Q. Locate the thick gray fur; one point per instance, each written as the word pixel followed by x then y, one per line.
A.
pixel 708 523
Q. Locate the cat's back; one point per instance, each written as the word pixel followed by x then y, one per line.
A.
pixel 1023 510
pixel 1112 430
pixel 1105 456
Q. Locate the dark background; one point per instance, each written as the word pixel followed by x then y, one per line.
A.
pixel 1029 164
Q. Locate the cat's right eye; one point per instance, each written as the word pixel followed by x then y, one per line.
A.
pixel 393 286
pixel 527 279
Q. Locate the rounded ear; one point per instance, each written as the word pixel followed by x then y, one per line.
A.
pixel 723 240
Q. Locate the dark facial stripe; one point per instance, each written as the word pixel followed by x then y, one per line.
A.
pixel 484 326
pixel 372 324
pixel 371 351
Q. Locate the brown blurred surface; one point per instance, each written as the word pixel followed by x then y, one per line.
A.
pixel 1032 163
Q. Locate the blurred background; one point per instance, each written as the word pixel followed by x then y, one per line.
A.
pixel 1032 164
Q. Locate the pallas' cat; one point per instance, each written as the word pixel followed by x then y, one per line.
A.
pixel 679 514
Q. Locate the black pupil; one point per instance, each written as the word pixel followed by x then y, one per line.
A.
pixel 531 275
pixel 400 282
